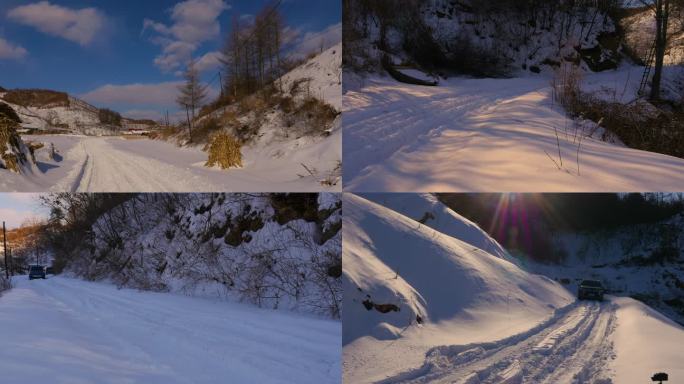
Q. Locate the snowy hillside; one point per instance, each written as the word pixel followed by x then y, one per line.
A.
pixel 484 38
pixel 640 28
pixel 275 251
pixel 446 292
pixel 63 330
pixel 643 261
pixel 62 113
pixel 321 77
pixel 429 211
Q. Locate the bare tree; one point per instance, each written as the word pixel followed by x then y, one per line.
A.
pixel 251 54
pixel 662 11
pixel 192 94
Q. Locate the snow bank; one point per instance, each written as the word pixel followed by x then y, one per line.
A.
pixel 428 210
pixel 645 342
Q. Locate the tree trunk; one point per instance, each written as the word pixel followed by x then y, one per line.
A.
pixel 662 15
pixel 187 114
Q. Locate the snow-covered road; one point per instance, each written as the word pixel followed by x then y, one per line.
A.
pixel 572 347
pixel 484 135
pixel 63 330
pixel 105 167
pixel 115 164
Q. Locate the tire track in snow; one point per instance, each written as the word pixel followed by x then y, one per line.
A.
pixel 107 169
pixel 571 348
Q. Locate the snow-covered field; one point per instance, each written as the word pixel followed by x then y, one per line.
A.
pixel 484 319
pixel 487 135
pixel 115 164
pixel 63 330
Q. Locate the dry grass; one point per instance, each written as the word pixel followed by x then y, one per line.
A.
pixel 204 131
pixel 165 133
pixel 317 116
pixel 224 151
pixel 638 124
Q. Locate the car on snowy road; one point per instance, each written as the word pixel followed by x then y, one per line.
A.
pixel 36 272
pixel 590 289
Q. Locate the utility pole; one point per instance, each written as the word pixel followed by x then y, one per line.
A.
pixel 4 247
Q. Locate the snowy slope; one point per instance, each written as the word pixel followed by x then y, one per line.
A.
pixel 461 293
pixel 64 330
pixel 322 76
pixel 646 342
pixel 486 135
pixel 271 251
pixel 77 117
pixel 428 210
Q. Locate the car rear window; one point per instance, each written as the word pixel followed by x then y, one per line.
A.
pixel 36 269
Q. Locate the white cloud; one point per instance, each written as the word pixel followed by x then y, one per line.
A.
pixel 78 25
pixel 305 43
pixel 153 98
pixel 160 94
pixel 194 22
pixel 209 61
pixel 11 51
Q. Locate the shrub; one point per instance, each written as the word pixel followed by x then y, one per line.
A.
pixel 253 103
pixel 109 117
pixel 206 129
pixel 317 114
pixel 638 125
pixel 224 151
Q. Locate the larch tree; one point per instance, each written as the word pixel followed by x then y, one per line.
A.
pixel 192 94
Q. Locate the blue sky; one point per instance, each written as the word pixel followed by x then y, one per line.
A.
pixel 126 54
pixel 15 208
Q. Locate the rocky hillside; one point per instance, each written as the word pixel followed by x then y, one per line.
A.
pixel 47 110
pixel 490 38
pixel 273 250
pixel 639 31
pixel 15 156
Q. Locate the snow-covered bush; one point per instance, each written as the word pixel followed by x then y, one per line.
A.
pixel 275 251
pixel 482 38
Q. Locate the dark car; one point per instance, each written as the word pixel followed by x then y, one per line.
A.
pixel 590 290
pixel 36 272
